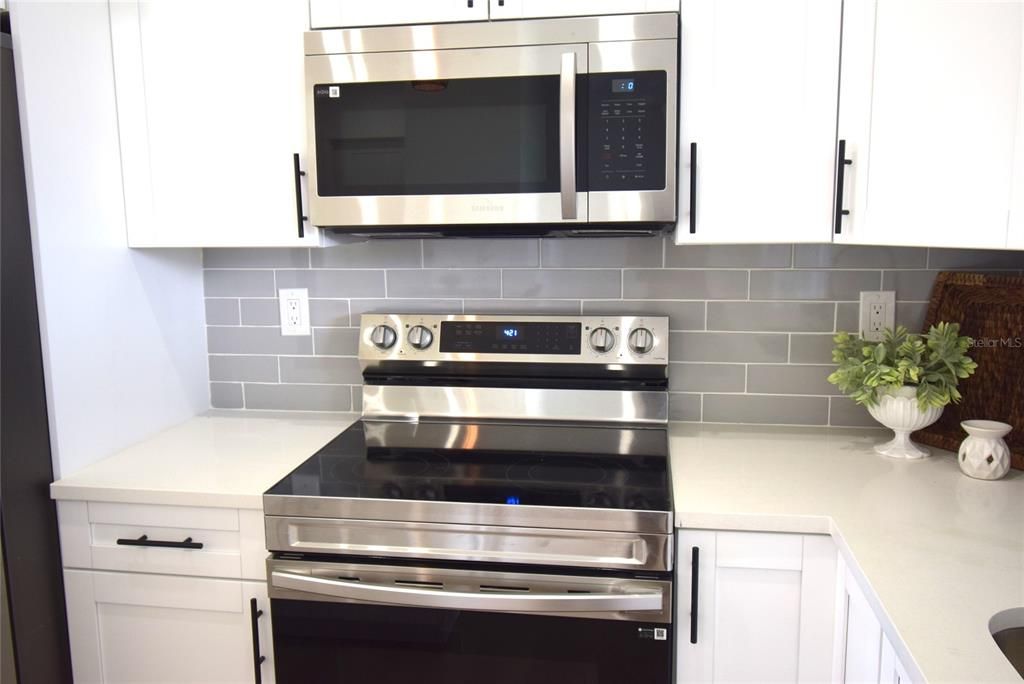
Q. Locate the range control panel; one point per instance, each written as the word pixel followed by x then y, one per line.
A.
pixel 551 339
pixel 627 131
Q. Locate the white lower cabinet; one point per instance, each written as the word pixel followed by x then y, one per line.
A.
pixel 764 605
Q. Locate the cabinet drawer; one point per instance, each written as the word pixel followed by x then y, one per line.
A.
pixel 171 540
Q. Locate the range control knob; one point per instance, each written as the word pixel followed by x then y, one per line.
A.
pixel 602 340
pixel 420 337
pixel 383 337
pixel 641 341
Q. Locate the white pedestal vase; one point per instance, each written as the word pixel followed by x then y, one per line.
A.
pixel 898 410
pixel 984 454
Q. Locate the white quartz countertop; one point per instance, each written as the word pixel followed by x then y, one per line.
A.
pixel 217 459
pixel 941 552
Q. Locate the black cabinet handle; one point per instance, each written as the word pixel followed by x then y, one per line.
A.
pixel 694 594
pixel 144 540
pixel 693 188
pixel 300 218
pixel 469 4
pixel 841 163
pixel 257 659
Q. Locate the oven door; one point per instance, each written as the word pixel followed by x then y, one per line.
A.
pixel 352 623
pixel 466 136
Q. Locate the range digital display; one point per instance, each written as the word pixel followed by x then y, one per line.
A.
pixel 494 337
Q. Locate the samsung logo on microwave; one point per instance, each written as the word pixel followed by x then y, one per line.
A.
pixel 327 91
pixel 487 207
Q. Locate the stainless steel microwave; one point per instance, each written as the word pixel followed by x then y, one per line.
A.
pixel 494 127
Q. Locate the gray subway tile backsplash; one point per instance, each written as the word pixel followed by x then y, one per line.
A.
pixel 752 324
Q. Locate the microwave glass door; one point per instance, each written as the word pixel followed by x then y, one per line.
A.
pixel 448 136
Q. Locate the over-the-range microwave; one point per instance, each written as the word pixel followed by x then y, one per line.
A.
pixel 497 127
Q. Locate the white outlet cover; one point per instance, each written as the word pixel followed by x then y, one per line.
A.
pixel 887 300
pixel 294 304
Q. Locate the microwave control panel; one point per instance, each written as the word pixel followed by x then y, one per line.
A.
pixel 626 131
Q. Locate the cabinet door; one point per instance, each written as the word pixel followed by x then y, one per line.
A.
pixel 891 668
pixel 521 9
pixel 765 607
pixel 863 638
pixel 127 627
pixel 759 84
pixel 345 13
pixel 928 112
pixel 210 114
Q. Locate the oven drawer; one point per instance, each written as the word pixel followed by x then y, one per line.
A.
pixel 173 540
pixel 486 544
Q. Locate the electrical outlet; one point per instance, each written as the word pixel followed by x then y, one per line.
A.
pixel 294 311
pixel 877 312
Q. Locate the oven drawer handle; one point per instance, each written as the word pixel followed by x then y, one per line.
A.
pixel 460 600
pixel 567 135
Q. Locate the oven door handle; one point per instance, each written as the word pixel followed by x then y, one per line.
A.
pixel 517 602
pixel 567 135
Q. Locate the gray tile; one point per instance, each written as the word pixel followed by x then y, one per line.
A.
pixel 787 379
pixel 261 312
pixel 855 256
pixel 527 306
pixel 946 259
pixel 728 347
pixel 256 257
pixel 684 407
pixel 828 285
pixel 561 284
pixel 225 395
pixel 243 368
pixel 320 370
pixel 681 315
pixel 328 312
pixel 747 408
pixel 369 254
pixel 706 377
pixel 848 317
pixel 221 312
pixel 336 341
pixel 771 316
pixel 225 340
pixel 844 412
pixel 480 252
pixel 637 252
pixel 810 348
pixel 728 256
pixel 910 285
pixel 911 315
pixel 666 284
pixel 298 397
pixel 444 283
pixel 361 306
pixel 238 283
pixel 324 284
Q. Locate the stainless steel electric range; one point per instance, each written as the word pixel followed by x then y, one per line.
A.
pixel 501 513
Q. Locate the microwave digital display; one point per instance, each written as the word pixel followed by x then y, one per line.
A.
pixel 623 85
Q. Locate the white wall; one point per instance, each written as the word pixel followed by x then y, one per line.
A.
pixel 124 349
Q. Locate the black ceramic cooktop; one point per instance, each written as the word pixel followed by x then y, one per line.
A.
pixel 516 465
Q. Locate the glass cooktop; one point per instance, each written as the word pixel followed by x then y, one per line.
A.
pixel 515 465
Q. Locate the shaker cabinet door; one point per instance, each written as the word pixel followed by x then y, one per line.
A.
pixel 928 113
pixel 128 628
pixel 210 115
pixel 325 14
pixel 757 122
pixel 526 9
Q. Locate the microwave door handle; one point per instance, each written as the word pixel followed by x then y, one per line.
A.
pixel 518 602
pixel 567 135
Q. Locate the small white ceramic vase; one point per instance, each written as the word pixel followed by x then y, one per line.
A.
pixel 984 454
pixel 898 410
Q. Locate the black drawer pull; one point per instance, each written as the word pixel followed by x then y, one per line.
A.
pixel 841 163
pixel 694 594
pixel 144 540
pixel 254 615
pixel 299 216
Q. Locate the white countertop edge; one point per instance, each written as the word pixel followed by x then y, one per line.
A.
pixel 157 497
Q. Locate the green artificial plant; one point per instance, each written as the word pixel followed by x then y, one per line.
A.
pixel 934 362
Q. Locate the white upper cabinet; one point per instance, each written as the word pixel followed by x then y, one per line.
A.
pixel 210 115
pixel 345 13
pixel 524 9
pixel 759 84
pixel 929 114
